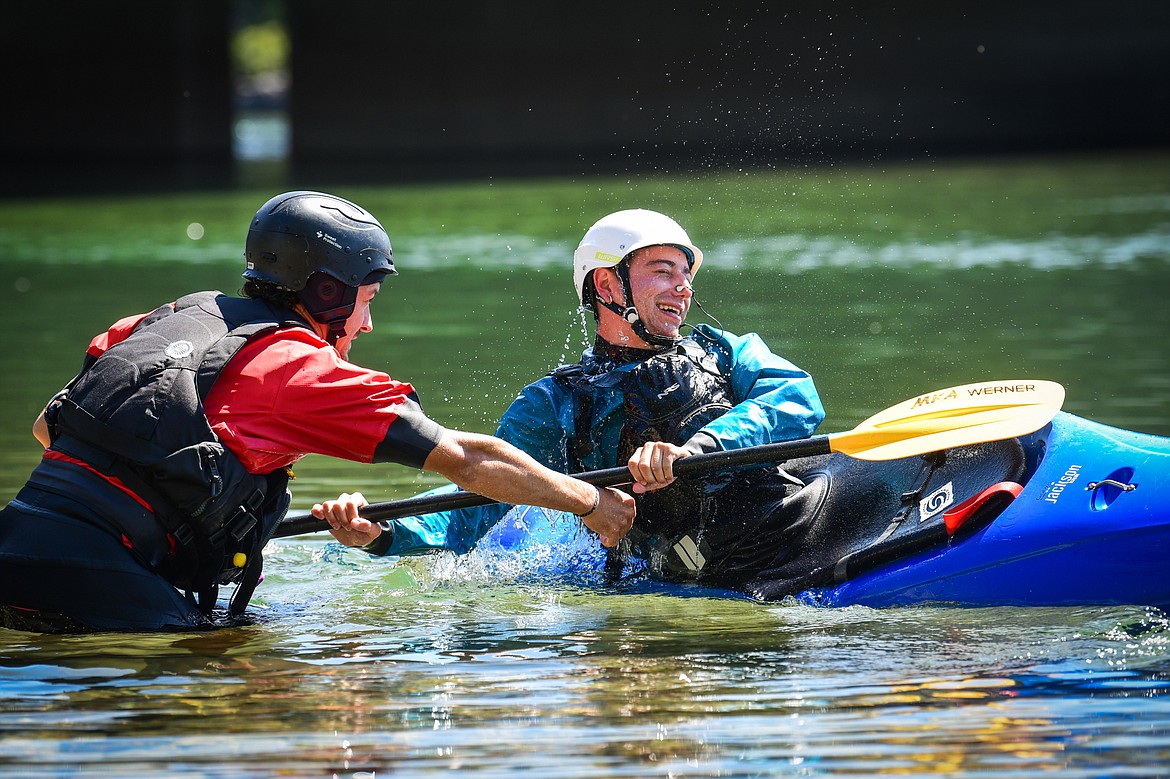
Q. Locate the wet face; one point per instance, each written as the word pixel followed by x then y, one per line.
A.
pixel 660 281
pixel 360 320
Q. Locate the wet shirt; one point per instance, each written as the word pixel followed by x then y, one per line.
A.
pixel 776 401
pixel 288 393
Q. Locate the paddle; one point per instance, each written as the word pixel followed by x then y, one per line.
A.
pixel 956 416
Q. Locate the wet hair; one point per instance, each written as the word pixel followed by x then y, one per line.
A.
pixel 270 293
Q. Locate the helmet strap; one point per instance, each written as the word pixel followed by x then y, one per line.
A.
pixel 329 302
pixel 629 313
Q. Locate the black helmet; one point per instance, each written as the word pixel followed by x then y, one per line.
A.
pixel 306 242
pixel 297 234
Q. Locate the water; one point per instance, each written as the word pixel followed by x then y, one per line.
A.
pixel 883 282
pixel 366 672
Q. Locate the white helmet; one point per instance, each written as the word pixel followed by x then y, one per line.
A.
pixel 614 237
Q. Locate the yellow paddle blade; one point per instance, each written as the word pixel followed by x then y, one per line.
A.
pixel 957 416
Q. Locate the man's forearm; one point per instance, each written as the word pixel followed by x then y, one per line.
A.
pixel 491 467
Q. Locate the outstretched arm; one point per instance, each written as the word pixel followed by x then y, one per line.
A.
pixel 494 468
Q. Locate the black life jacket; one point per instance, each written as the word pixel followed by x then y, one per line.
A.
pixel 691 529
pixel 136 413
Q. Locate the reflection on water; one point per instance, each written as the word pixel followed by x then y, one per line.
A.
pixel 501 664
pixel 357 666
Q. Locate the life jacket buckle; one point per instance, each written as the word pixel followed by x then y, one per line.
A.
pixel 241 524
pixel 184 534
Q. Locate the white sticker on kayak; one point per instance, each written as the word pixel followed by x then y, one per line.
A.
pixel 936 501
pixel 689 553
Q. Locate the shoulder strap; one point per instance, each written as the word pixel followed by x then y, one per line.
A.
pixel 572 378
pixel 245 318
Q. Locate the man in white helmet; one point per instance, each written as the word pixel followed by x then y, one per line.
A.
pixel 645 396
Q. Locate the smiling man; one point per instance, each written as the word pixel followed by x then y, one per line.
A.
pixel 645 395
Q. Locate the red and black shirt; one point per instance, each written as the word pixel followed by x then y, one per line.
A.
pixel 288 393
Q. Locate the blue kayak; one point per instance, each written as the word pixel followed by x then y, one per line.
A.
pixel 1076 513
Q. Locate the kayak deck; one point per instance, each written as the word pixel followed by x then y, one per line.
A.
pixel 1091 527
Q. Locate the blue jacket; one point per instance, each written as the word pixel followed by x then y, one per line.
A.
pixel 777 402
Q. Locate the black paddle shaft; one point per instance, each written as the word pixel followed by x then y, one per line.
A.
pixel 303 522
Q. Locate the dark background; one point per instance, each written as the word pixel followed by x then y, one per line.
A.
pixel 139 93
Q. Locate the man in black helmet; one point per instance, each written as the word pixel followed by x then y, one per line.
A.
pixel 167 457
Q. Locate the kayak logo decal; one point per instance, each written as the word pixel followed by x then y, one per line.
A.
pixel 1053 490
pixel 689 553
pixel 936 501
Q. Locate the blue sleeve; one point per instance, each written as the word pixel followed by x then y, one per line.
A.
pixel 532 424
pixel 778 401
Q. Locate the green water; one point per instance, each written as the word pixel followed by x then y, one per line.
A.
pixel 884 282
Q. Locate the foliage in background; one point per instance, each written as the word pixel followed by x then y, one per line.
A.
pixel 260 48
